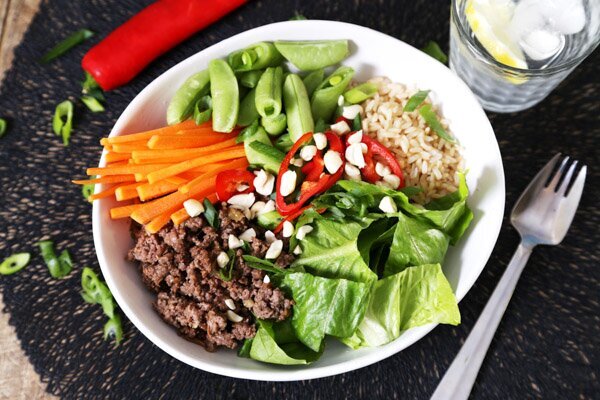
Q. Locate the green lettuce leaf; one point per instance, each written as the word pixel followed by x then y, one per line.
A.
pixel 325 307
pixel 415 243
pixel 414 297
pixel 331 251
pixel 275 343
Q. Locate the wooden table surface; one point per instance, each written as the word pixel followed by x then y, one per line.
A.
pixel 18 380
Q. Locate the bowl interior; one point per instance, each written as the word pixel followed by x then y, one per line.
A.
pixel 373 54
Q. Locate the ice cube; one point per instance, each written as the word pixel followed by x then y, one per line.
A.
pixel 541 44
pixel 565 16
pixel 528 16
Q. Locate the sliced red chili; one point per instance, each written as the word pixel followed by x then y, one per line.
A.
pixel 368 171
pixel 378 149
pixel 308 188
pixel 227 183
pixel 314 168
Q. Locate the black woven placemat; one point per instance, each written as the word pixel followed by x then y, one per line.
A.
pixel 546 346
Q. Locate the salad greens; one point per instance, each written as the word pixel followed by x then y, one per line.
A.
pixel 363 276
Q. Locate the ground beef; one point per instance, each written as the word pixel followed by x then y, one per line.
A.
pixel 179 264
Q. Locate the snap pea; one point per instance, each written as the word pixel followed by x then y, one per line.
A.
pixel 249 79
pixel 225 95
pixel 360 93
pixel 274 125
pixel 185 98
pixel 297 107
pixel 268 92
pixel 258 56
pixel 14 263
pixel 284 143
pixel 313 80
pixel 203 110
pixel 313 54
pixel 321 126
pixel 248 113
pixel 325 98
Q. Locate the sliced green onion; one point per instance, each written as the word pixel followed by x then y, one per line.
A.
pixel 58 267
pixel 274 125
pixel 416 100
pixel 88 190
pixel 114 329
pixel 92 103
pixel 298 17
pixel 431 119
pixel 211 215
pixel 360 93
pixel 96 292
pixel 226 273
pixel 247 132
pixel 64 46
pixel 14 263
pixel 63 121
pixel 357 123
pixel 203 110
pixel 433 49
pixel 3 125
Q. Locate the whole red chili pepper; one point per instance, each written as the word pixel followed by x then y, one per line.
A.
pixel 156 29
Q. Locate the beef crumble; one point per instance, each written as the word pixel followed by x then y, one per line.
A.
pixel 179 263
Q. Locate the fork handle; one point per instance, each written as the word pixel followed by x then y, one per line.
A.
pixel 460 377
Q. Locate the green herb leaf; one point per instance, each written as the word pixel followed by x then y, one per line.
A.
pixel 357 123
pixel 3 126
pixel 226 273
pixel 62 122
pixel 432 120
pixel 298 17
pixel 203 110
pixel 14 263
pixel 211 214
pixel 114 329
pixel 92 103
pixel 434 50
pixel 64 46
pixel 416 100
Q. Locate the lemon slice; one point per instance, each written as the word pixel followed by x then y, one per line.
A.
pixel 489 21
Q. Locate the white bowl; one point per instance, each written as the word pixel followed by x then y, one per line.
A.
pixel 373 54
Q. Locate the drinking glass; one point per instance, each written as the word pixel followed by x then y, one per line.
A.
pixel 503 88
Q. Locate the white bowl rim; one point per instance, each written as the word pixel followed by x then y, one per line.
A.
pixel 310 372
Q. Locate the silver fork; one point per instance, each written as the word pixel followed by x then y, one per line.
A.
pixel 542 215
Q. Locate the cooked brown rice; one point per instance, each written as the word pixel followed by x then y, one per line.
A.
pixel 426 160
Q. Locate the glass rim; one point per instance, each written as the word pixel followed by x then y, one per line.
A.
pixel 487 58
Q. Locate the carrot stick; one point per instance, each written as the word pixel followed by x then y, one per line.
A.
pixel 172 170
pixel 125 169
pixel 149 191
pixel 106 179
pixel 185 142
pixel 127 192
pixel 117 163
pixel 235 164
pixel 124 211
pixel 158 222
pixel 112 157
pixel 180 216
pixel 105 193
pixel 172 202
pixel 182 153
pixel 130 146
pixel 173 129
